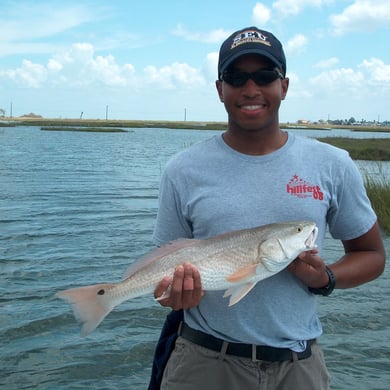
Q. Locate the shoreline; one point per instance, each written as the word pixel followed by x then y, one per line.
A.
pixel 192 125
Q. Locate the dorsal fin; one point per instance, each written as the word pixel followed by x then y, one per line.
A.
pixel 158 253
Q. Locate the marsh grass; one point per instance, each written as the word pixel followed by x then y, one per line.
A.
pixel 378 190
pixel 374 149
pixel 85 129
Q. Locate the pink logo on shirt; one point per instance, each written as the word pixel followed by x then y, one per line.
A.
pixel 302 189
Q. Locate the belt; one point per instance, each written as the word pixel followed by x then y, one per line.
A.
pixel 255 352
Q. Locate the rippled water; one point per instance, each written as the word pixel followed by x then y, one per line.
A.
pixel 77 208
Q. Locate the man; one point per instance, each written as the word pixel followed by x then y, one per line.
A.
pixel 252 175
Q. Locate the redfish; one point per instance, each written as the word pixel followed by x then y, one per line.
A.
pixel 233 262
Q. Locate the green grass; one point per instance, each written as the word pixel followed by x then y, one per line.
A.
pixel 191 125
pixel 374 149
pixel 378 190
pixel 87 129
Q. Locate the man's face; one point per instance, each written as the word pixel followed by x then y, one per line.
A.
pixel 252 106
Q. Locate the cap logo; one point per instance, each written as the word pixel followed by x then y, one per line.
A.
pixel 250 37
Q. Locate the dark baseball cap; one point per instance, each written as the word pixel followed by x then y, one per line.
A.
pixel 251 40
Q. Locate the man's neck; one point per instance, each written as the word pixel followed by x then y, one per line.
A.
pixel 255 143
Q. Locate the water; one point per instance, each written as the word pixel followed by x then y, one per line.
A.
pixel 77 208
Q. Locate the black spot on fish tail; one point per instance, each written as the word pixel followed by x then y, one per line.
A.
pixel 101 292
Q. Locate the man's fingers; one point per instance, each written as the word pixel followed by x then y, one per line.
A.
pixel 177 283
pixel 188 280
pixel 184 288
pixel 188 286
pixel 311 258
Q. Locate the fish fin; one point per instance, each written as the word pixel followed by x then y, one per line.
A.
pixel 238 292
pixel 89 306
pixel 164 295
pixel 242 273
pixel 271 265
pixel 158 253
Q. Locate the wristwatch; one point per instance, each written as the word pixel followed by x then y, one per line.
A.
pixel 327 290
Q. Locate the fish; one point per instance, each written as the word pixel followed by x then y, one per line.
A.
pixel 233 262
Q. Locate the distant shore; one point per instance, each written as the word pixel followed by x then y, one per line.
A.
pixel 194 125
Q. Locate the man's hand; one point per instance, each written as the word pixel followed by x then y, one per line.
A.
pixel 364 260
pixel 184 289
pixel 310 268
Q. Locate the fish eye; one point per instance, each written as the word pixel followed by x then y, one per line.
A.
pixel 299 229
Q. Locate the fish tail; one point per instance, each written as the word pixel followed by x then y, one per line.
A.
pixel 90 305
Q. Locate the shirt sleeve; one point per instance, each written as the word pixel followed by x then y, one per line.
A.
pixel 350 214
pixel 171 223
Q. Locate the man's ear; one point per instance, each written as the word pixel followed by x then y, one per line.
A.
pixel 285 84
pixel 218 85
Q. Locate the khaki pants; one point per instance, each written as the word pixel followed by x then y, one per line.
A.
pixel 192 367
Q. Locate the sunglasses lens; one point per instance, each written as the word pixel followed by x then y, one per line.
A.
pixel 235 79
pixel 262 77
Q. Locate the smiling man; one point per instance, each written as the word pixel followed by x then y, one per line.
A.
pixel 251 175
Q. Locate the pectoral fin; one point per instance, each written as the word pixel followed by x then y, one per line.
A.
pixel 242 274
pixel 238 292
pixel 165 294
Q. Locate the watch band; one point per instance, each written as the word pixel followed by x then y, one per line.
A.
pixel 327 290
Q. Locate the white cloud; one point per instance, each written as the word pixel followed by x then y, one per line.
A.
pixel 294 7
pixel 80 52
pixel 79 66
pixel 261 14
pixel 362 15
pixel 297 89
pixel 43 20
pixel 327 63
pixel 297 44
pixel 370 78
pixel 214 36
pixel 342 80
pixel 54 65
pixel 46 23
pixel 28 75
pixel 377 71
pixel 171 76
pixel 108 72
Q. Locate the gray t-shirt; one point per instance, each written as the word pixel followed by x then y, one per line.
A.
pixel 210 189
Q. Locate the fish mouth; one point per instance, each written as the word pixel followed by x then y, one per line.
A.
pixel 311 240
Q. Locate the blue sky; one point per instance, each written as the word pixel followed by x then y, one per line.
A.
pixel 156 60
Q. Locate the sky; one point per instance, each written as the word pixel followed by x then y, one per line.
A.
pixel 157 59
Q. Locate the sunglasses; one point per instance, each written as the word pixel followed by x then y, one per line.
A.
pixel 261 77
